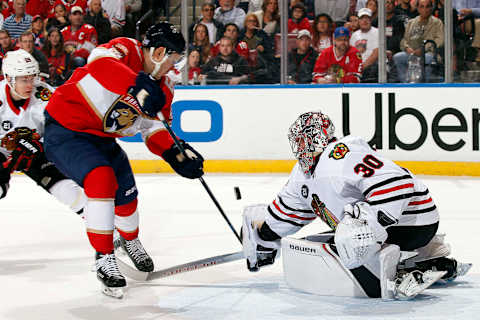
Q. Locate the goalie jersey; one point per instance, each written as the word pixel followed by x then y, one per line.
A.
pixel 348 171
pixel 29 115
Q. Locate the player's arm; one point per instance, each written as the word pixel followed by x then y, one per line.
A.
pixel 152 100
pixel 4 176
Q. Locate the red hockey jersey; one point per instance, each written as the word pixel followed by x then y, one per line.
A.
pixel 127 50
pixel 84 40
pixel 346 69
pixel 87 102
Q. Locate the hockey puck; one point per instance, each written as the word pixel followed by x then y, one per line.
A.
pixel 238 195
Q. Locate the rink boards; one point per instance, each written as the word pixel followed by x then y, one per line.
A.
pixel 431 129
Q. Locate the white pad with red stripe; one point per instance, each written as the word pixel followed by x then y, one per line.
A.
pixel 99 214
pixel 314 268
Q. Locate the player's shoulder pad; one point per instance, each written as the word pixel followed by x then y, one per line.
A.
pixel 43 91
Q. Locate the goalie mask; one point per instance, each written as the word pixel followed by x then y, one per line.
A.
pixel 309 135
pixel 19 63
pixel 164 34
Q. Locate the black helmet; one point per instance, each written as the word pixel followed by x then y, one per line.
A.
pixel 164 34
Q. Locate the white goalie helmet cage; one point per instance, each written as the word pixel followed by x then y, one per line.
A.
pixel 19 63
pixel 308 136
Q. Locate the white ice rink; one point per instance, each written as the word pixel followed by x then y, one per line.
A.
pixel 45 258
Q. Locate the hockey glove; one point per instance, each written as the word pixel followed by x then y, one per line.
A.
pixel 148 93
pixel 189 167
pixel 27 150
pixel 4 177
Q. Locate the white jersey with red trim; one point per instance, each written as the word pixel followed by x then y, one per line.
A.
pixel 348 171
pixel 29 115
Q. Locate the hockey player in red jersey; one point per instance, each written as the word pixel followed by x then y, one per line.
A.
pixel 80 38
pixel 84 117
pixel 339 63
pixel 373 207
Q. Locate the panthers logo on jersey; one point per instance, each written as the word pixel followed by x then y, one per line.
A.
pixel 339 151
pixel 43 93
pixel 121 115
pixel 321 210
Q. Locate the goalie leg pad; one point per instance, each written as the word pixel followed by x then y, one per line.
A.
pixel 314 267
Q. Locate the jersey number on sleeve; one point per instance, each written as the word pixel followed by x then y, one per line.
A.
pixel 367 168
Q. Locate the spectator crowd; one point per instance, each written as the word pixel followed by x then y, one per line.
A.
pixel 238 41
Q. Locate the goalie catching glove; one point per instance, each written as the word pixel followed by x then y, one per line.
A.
pixel 189 167
pixel 359 235
pixel 25 146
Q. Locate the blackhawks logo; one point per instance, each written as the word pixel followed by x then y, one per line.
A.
pixel 43 93
pixel 321 210
pixel 339 151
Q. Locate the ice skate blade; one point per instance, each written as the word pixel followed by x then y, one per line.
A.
pixel 117 293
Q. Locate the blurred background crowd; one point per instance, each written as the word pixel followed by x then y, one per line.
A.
pixel 235 42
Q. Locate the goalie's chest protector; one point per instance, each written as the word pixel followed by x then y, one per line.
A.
pixel 30 115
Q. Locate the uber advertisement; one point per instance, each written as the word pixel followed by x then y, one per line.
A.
pixel 405 123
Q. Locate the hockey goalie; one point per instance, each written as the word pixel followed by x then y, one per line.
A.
pixel 383 220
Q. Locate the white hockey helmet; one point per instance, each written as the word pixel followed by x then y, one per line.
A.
pixel 309 135
pixel 19 63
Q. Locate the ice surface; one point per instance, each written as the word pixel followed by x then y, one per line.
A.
pixel 45 258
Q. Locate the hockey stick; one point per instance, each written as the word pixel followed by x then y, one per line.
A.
pixel 182 150
pixel 182 268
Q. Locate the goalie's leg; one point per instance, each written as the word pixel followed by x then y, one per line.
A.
pixel 260 243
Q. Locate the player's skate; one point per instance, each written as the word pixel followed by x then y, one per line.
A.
pixel 256 254
pixel 137 254
pixel 407 285
pixel 112 280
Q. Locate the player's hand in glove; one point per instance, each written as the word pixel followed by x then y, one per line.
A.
pixel 26 148
pixel 148 93
pixel 4 177
pixel 189 167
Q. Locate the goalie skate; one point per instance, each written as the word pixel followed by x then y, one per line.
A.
pixel 136 252
pixel 108 273
pixel 408 285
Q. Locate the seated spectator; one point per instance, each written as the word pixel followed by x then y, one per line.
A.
pixel 337 9
pixel 194 70
pixel 255 5
pixel 202 43
pixel 115 11
pixel 18 22
pixel 366 41
pixel 96 17
pixel 352 23
pixel 6 44
pixel 58 59
pixel 322 32
pixel 228 13
pixel 26 42
pixel 404 8
pixel 309 8
pixel 38 7
pixel 340 63
pixel 269 17
pixel 302 59
pixel 60 18
pixel 395 28
pixel 7 8
pixel 69 4
pixel 214 27
pixel 298 21
pixel 423 27
pixel 226 67
pixel 373 6
pixel 232 32
pixel 80 38
pixel 37 30
pixel 256 38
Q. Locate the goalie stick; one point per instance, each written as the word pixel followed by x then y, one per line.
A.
pixel 182 268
